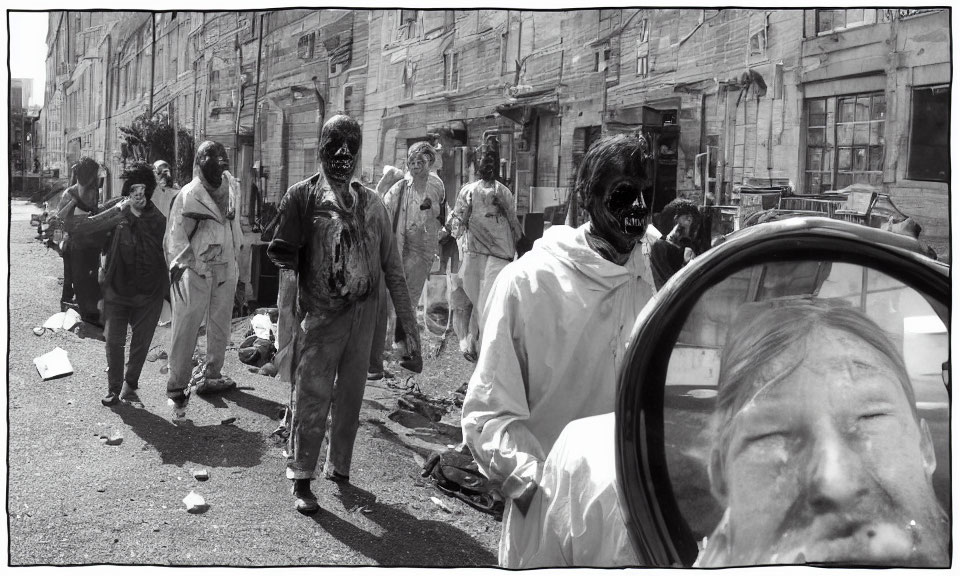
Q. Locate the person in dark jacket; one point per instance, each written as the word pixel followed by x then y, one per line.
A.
pixel 672 252
pixel 134 281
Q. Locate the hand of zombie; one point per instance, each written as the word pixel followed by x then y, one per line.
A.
pixel 412 360
pixel 176 274
pixel 688 255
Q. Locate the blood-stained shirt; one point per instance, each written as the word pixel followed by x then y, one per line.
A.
pixel 339 246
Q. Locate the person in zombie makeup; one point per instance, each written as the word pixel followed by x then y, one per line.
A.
pixel 485 216
pixel 81 252
pixel 416 203
pixel 202 246
pixel 334 241
pixel 166 188
pixel 557 326
pixel 820 455
pixel 134 281
pixel 672 252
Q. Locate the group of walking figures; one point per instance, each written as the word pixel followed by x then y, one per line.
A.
pixel 341 248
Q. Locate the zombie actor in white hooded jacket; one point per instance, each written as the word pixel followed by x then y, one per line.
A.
pixel 556 331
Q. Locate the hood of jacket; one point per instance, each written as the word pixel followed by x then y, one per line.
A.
pixel 569 246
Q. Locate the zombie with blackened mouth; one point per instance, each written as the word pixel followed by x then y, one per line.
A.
pixel 203 242
pixel 558 321
pixel 333 242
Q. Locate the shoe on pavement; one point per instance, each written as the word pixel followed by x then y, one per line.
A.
pixel 306 500
pixel 109 400
pixel 375 375
pixel 215 385
pixel 338 477
pixel 129 396
pixel 179 405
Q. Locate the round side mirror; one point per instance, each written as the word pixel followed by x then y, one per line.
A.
pixel 785 401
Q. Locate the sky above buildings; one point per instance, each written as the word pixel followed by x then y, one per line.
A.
pixel 28 49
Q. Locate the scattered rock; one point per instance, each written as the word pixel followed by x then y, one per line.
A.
pixel 115 439
pixel 101 489
pixel 195 503
pixel 229 420
pixel 201 475
pixel 39 330
pixel 165 368
pixel 440 504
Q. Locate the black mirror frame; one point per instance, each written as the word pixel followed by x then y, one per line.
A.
pixel 658 529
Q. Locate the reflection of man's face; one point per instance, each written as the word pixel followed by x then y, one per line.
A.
pixel 828 464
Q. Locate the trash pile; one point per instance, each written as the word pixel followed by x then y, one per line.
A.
pixel 260 345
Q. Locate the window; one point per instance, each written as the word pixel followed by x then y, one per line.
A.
pixel 601 59
pixel 643 66
pixel 347 98
pixel 845 142
pixel 305 46
pixel 607 19
pixel 929 156
pixel 643 30
pixel 451 71
pixel 831 20
pixel 406 25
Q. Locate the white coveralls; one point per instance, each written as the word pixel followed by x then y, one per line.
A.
pixel 557 329
pixel 208 244
pixel 575 518
pixel 490 233
pixel 416 230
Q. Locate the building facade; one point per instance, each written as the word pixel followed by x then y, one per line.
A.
pixel 819 99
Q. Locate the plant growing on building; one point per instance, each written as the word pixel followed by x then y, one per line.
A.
pixel 150 138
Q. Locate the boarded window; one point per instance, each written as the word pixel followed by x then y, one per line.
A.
pixel 929 157
pixel 831 20
pixel 305 46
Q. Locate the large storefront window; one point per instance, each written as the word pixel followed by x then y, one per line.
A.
pixel 845 141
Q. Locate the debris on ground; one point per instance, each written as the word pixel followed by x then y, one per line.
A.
pixel 441 504
pixel 457 474
pixel 195 503
pixel 53 364
pixel 115 438
pixel 39 330
pixel 157 353
pixel 228 420
pixel 201 474
pixel 63 320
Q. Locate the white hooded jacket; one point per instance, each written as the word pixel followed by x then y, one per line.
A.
pixel 217 238
pixel 557 329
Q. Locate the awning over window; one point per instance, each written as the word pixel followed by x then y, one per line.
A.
pixel 519 108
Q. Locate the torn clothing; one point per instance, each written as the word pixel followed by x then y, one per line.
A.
pixel 339 251
pixel 558 323
pixel 486 216
pixel 575 518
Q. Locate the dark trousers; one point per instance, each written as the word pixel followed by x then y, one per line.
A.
pixel 142 316
pixel 66 295
pixel 84 265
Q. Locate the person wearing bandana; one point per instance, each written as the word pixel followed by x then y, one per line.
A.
pixel 558 322
pixel 333 242
pixel 202 246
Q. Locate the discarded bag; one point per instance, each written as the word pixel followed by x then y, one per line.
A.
pixel 53 364
pixel 459 476
pixel 63 320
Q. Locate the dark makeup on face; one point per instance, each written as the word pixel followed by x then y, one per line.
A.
pixel 340 141
pixel 213 162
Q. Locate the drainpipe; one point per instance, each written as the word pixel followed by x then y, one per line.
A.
pixel 256 119
pixel 153 57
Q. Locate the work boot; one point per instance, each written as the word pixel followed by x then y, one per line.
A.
pixel 109 400
pixel 306 500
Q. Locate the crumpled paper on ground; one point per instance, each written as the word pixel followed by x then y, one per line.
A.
pixel 53 364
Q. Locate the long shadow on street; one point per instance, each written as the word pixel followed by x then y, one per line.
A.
pixel 215 445
pixel 406 540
